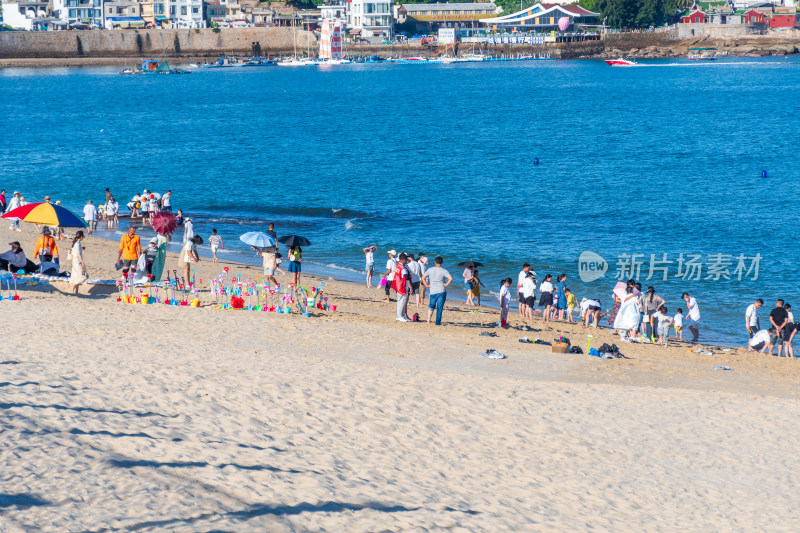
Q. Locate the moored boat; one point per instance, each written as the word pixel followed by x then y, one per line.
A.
pixel 702 54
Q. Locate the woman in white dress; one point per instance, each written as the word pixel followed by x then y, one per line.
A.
pixel 628 316
pixel 78 273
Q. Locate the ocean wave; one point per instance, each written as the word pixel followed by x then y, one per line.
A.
pixel 319 212
pixel 310 212
pixel 334 266
pixel 350 224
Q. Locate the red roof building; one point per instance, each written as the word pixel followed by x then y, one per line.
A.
pixel 695 17
pixel 752 16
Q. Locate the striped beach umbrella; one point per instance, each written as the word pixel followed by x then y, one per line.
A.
pixel 47 214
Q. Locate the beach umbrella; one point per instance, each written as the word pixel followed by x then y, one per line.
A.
pixel 164 223
pixel 47 214
pixel 294 240
pixel 258 239
pixel 470 264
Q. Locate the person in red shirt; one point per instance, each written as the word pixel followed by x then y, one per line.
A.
pixel 400 285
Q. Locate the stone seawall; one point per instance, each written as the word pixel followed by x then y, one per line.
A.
pixel 136 43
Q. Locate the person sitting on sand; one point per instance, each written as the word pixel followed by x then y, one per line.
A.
pixel 14 259
pixel 150 254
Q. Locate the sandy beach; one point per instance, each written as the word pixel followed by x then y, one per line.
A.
pixel 149 418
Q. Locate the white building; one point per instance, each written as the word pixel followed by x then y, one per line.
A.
pixel 80 13
pixel 185 13
pixel 28 15
pixel 333 10
pixel 122 14
pixel 370 18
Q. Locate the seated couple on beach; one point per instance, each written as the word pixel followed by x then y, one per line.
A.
pixel 14 260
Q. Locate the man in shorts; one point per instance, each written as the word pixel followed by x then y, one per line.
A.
pixel 423 266
pixel 416 275
pixel 269 262
pixel 779 318
pixel 130 248
pixel 692 316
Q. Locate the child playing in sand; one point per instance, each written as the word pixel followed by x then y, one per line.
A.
pixel 664 321
pixel 505 301
pixel 572 303
pixel 678 323
pixel 215 242
pixel 150 254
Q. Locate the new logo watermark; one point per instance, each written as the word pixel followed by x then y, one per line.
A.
pixel 687 267
pixel 591 266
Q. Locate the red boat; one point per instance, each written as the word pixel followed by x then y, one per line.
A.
pixel 621 62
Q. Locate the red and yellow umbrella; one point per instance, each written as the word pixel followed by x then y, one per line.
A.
pixel 47 214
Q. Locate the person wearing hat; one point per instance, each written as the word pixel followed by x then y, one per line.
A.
pixel 389 274
pixel 188 230
pixel 14 258
pixel 46 249
pixel 15 202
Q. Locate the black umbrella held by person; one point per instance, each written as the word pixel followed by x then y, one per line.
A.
pixel 295 244
pixel 293 240
pixel 470 264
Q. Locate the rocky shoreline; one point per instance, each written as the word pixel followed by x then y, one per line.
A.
pixel 749 47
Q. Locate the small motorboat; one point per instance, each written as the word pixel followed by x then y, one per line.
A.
pixel 621 62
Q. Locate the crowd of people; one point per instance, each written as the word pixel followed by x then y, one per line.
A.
pixel 635 315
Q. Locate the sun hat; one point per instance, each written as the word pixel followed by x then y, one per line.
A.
pixel 392 252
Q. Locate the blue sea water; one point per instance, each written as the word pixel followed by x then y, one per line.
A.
pixel 666 158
